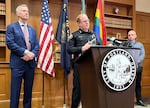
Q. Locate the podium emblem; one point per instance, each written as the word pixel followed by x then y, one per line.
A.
pixel 118 69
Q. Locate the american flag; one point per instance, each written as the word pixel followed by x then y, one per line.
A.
pixel 45 56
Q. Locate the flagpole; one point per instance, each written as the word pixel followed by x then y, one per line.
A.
pixel 65 58
pixel 64 106
pixel 83 10
pixel 43 90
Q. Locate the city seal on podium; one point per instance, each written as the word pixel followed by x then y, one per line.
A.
pixel 118 69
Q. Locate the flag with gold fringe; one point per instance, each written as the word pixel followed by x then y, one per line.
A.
pixel 62 36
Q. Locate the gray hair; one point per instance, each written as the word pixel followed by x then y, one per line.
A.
pixel 19 7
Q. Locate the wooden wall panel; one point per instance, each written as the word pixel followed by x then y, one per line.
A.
pixel 4 83
pixel 143 24
pixel 3 87
pixel 143 33
pixel 146 68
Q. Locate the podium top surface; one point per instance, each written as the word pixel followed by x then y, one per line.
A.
pixel 115 47
pixel 104 48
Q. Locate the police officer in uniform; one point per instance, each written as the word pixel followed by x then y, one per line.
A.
pixel 79 42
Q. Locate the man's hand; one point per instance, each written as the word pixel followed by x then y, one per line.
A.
pixel 28 56
pixel 86 46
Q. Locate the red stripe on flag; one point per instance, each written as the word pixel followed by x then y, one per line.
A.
pixel 48 63
pixel 48 45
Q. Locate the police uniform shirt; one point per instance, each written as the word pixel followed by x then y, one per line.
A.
pixel 78 39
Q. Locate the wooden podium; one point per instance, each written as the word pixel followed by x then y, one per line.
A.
pixel 94 92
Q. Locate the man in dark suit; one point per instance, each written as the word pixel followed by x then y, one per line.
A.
pixel 24 46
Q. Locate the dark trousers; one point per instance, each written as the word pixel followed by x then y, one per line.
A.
pixel 17 74
pixel 138 83
pixel 76 87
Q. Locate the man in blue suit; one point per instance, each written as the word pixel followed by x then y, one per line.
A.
pixel 24 47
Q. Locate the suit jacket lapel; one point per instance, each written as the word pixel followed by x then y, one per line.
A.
pixel 20 30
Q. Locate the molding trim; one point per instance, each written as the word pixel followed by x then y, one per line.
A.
pixel 142 13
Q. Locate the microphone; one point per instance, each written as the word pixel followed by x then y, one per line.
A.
pixel 127 44
pixel 92 40
pixel 114 41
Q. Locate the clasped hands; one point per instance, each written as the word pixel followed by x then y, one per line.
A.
pixel 28 56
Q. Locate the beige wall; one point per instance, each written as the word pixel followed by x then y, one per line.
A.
pixel 143 5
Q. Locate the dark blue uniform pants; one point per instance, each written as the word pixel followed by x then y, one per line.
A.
pixel 76 87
